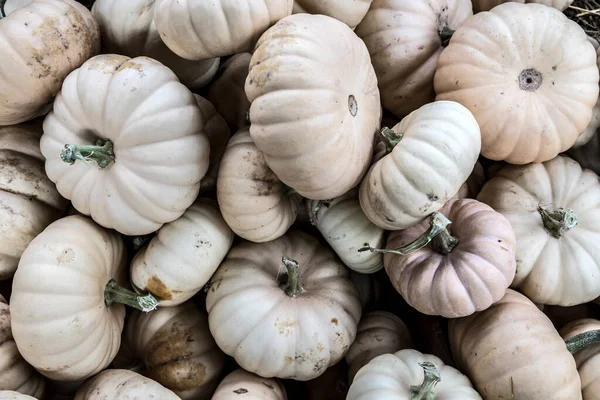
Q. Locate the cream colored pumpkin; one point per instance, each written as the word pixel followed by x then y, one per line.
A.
pixel 530 102
pixel 128 28
pixel 184 254
pixel 349 12
pixel 486 5
pixel 405 39
pixel 254 202
pixel 242 384
pixel 198 29
pixel 40 44
pixel 315 104
pixel 554 209
pixel 177 349
pixel 15 373
pixel 274 324
pixel 512 351
pixel 28 199
pixel 155 128
pixel 471 188
pixel 401 376
pixel 12 395
pixel 122 384
pixel 346 228
pixel 379 332
pixel 587 359
pixel 424 169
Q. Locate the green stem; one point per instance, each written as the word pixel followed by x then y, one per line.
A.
pixel 437 227
pixel 558 221
pixel 446 34
pixel 390 138
pixel 293 286
pixel 313 211
pixel 2 13
pixel 582 340
pixel 425 390
pixel 102 153
pixel 115 293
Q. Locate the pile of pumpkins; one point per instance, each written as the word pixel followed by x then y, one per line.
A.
pixel 309 199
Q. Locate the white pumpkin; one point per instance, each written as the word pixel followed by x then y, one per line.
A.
pixel 12 395
pixel 349 12
pixel 244 385
pixel 588 358
pixel 486 5
pixel 121 384
pixel 142 127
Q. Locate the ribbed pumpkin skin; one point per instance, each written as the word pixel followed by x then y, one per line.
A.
pixel 12 395
pixel 524 116
pixel 349 12
pixel 486 5
pixel 242 384
pixel 587 359
pixel 512 349
pixel 122 384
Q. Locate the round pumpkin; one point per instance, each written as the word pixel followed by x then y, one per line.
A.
pixel 125 143
pixel 12 395
pixel 432 152
pixel 41 43
pixel 512 351
pixel 486 5
pixel 183 255
pixel 122 384
pixel 198 30
pixel 410 375
pixel 350 13
pixel 29 201
pixel 177 349
pixel 531 103
pixel 242 384
pixel 405 39
pixel 554 209
pixel 254 202
pixel 315 104
pixel 587 359
pixel 379 332
pixel 128 28
pixel 277 324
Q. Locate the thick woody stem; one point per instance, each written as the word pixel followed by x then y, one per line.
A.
pixel 102 153
pixel 390 138
pixel 578 342
pixel 425 390
pixel 293 286
pixel 115 293
pixel 558 221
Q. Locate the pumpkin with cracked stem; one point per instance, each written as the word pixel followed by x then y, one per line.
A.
pixel 471 188
pixel 424 167
pixel 198 30
pixel 177 349
pixel 12 395
pixel 486 5
pixel 42 43
pixel 314 104
pixel 405 39
pixel 349 12
pixel 122 384
pixel 286 325
pixel 128 28
pixel 29 201
pixel 379 332
pixel 183 255
pixel 587 359
pixel 530 103
pixel 554 209
pixel 256 205
pixel 70 283
pixel 242 384
pixel 126 143
pixel 410 375
pixel 495 348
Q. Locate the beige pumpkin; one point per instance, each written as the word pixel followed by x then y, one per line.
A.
pixel 126 143
pixel 379 332
pixel 29 200
pixel 486 5
pixel 277 324
pixel 244 385
pixel 554 209
pixel 531 103
pixel 41 43
pixel 198 29
pixel 423 168
pixel 471 188
pixel 128 28
pixel 349 12
pixel 587 359
pixel 177 349
pixel 405 39
pixel 254 202
pixel 315 104
pixel 12 395
pixel 183 255
pixel 122 384
pixel 512 351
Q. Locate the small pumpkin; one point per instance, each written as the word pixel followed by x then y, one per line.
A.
pixel 42 43
pixel 277 324
pixel 554 209
pixel 121 384
pixel 142 128
pixel 486 5
pixel 315 104
pixel 242 384
pixel 12 395
pixel 349 13
pixel 423 168
pixel 522 95
pixel 588 358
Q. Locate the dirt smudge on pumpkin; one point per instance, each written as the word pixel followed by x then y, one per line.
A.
pixel 334 321
pixel 284 327
pixel 157 287
pixel 264 180
pixel 66 256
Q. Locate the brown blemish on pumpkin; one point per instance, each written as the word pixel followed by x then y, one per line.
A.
pixel 334 321
pixel 320 347
pixel 155 286
pixel 66 256
pixel 284 327
pixel 264 179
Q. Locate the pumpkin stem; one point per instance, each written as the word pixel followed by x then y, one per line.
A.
pixel 2 13
pixel 115 293
pixel 446 34
pixel 313 212
pixel 425 390
pixel 390 138
pixel 293 285
pixel 578 342
pixel 558 221
pixel 437 227
pixel 102 153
